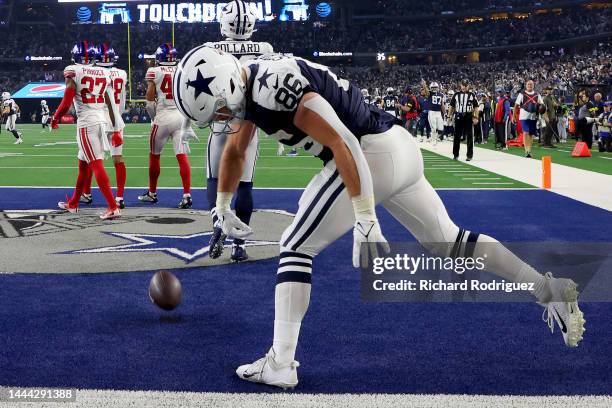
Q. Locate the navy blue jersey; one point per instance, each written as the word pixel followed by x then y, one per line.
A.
pixel 435 101
pixel 276 84
pixel 389 102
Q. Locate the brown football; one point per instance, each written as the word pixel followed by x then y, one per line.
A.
pixel 165 290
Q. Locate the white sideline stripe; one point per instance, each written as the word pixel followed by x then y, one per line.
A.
pixel 586 186
pixel 481 178
pixel 163 399
pixel 463 171
pixel 607 158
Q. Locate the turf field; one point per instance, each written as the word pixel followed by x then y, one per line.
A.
pixel 49 159
pixel 562 154
pixel 75 312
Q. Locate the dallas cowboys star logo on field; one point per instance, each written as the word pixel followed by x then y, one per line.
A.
pixel 201 84
pixel 186 247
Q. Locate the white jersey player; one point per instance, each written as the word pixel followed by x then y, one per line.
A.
pixel 166 124
pixel 44 115
pixel 106 58
pixel 90 89
pixel 368 159
pixel 10 111
pixel 436 103
pixel 237 25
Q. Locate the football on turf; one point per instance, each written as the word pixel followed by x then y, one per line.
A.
pixel 165 290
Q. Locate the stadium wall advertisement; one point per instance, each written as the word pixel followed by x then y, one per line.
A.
pixel 41 90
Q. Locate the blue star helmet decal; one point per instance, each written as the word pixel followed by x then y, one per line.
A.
pixel 201 84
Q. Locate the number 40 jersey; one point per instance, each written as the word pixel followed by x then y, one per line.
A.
pixel 162 77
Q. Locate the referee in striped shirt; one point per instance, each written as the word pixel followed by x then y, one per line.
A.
pixel 464 107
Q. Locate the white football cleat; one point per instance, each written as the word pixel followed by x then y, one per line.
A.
pixel 267 371
pixel 18 141
pixel 63 205
pixel 110 214
pixel 563 307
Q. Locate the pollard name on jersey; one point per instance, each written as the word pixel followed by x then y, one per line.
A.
pixel 162 77
pixel 242 50
pixel 89 102
pixel 276 84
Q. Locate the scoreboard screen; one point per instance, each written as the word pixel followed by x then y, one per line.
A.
pixel 157 11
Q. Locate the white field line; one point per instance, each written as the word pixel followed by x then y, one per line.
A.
pixel 163 399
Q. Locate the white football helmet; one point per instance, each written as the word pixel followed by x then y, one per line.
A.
pixel 451 92
pixel 208 87
pixel 390 91
pixel 434 86
pixel 6 96
pixel 364 92
pixel 43 103
pixel 237 20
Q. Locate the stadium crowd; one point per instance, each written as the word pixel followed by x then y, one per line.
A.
pixel 563 72
pixel 303 38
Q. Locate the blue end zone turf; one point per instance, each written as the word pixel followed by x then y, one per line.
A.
pixel 101 331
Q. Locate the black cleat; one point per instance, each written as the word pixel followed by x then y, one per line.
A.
pixel 185 203
pixel 239 253
pixel 86 199
pixel 120 203
pixel 217 240
pixel 148 197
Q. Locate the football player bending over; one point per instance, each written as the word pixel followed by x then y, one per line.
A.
pixel 105 59
pixel 90 89
pixel 167 123
pixel 368 160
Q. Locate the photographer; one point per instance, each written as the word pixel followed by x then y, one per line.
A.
pixel 550 117
pixel 529 102
pixel 585 112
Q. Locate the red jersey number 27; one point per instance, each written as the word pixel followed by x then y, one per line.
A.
pixel 89 85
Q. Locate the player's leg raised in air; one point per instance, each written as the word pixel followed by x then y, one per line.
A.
pixel 326 213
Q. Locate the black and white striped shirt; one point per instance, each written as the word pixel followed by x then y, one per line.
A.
pixel 464 102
